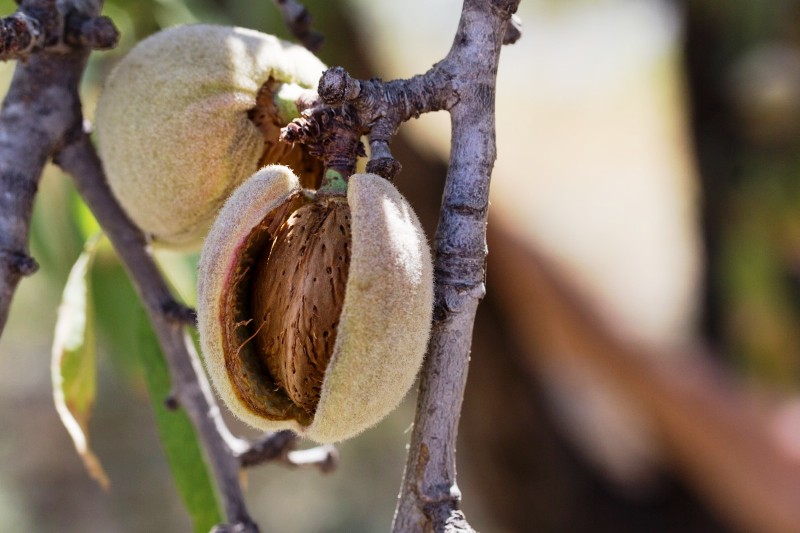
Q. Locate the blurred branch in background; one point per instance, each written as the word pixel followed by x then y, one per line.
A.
pixel 743 62
pixel 299 22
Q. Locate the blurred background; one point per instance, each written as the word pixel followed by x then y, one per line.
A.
pixel 636 362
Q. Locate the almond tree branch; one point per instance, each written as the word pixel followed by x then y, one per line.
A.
pixel 383 106
pixel 41 109
pixel 190 388
pixel 463 84
pixel 429 498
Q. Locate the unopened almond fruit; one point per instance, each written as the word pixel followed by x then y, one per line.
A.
pixel 314 307
pixel 189 114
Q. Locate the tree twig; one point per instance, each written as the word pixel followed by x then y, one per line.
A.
pixel 41 108
pixel 225 452
pixel 429 498
pixel 39 24
pixel 279 446
pixel 298 20
pixel 385 105
pixel 190 387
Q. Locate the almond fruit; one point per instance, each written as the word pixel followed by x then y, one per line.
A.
pixel 314 307
pixel 189 114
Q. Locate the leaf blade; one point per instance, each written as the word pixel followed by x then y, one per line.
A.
pixel 178 437
pixel 74 361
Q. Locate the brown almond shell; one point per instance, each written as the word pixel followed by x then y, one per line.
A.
pixel 297 294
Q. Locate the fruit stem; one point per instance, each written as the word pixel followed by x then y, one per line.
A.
pixel 334 182
pixel 330 134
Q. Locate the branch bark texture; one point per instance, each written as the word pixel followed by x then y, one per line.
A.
pixel 464 84
pixel 429 497
pixel 41 109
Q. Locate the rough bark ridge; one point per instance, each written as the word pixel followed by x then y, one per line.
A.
pixel 41 110
pixel 429 499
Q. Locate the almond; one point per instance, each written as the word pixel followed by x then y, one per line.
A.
pixel 314 307
pixel 189 114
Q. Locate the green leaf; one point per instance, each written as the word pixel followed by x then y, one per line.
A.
pixel 74 361
pixel 178 437
pixel 82 216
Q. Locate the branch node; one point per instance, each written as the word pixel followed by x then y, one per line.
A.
pixel 379 107
pixel 381 160
pixel 171 402
pixel 330 134
pixel 19 34
pixel 21 262
pixel 177 313
pixel 98 33
pixel 513 30
pixel 337 87
pixel 386 167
